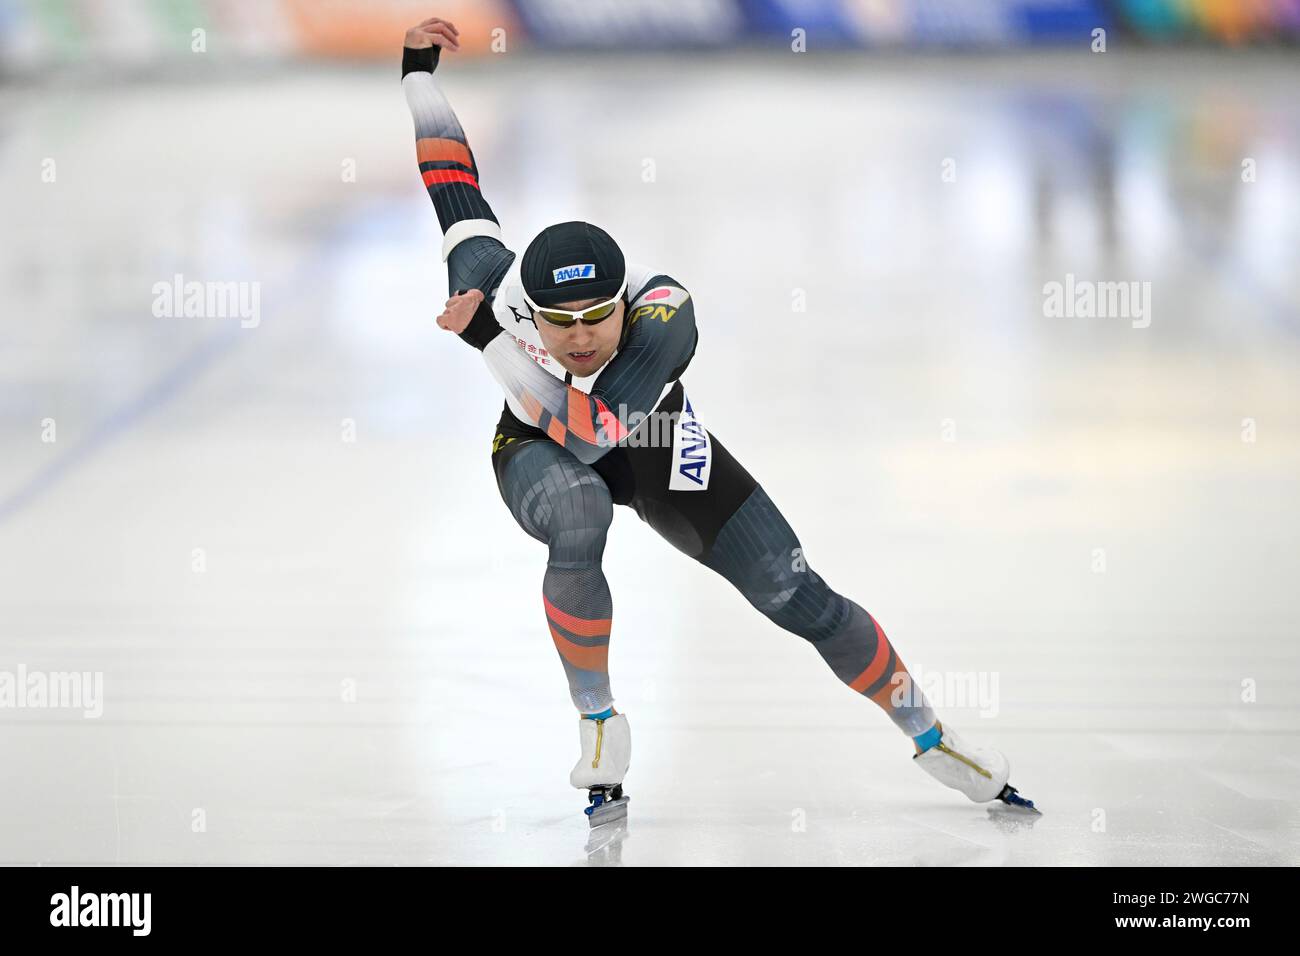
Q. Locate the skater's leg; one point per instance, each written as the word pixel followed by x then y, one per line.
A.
pixel 566 505
pixel 759 553
pixel 730 524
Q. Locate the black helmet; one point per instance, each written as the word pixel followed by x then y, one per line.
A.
pixel 570 262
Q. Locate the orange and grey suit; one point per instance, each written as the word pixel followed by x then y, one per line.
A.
pixel 565 453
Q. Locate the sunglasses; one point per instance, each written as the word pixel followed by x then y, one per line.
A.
pixel 591 315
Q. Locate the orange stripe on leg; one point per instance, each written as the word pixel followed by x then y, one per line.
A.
pixel 583 627
pixel 884 697
pixel 586 658
pixel 877 665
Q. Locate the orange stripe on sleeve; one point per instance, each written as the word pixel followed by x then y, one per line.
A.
pixel 531 405
pixel 609 421
pixel 432 176
pixel 580 417
pixel 436 150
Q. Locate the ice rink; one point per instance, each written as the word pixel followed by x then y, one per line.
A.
pixel 319 630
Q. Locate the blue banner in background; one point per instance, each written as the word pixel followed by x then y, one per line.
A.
pixel 1063 21
pixel 922 23
pixel 824 22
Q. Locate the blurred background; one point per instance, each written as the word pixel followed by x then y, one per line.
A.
pixel 269 524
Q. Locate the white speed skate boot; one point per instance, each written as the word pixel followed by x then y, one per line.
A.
pixel 606 753
pixel 979 772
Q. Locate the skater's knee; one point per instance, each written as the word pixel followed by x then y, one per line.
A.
pixel 578 525
pixel 811 610
pixel 781 586
pixel 557 499
pixel 800 602
pixel 576 548
pixel 759 553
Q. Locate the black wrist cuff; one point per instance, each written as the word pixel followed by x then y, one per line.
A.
pixel 483 328
pixel 419 61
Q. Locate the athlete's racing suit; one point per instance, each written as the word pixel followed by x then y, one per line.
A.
pixel 567 449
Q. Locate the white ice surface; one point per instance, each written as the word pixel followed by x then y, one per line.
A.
pixel 1151 709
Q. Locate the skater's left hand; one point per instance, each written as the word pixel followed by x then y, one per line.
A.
pixel 459 310
pixel 433 32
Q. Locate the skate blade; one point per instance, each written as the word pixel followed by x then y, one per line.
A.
pixel 1012 798
pixel 611 811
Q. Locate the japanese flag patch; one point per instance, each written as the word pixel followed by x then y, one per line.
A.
pixel 666 295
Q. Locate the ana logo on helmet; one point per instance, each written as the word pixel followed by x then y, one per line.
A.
pixel 569 273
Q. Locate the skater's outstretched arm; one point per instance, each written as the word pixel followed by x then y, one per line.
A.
pixel 472 248
pixel 660 339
